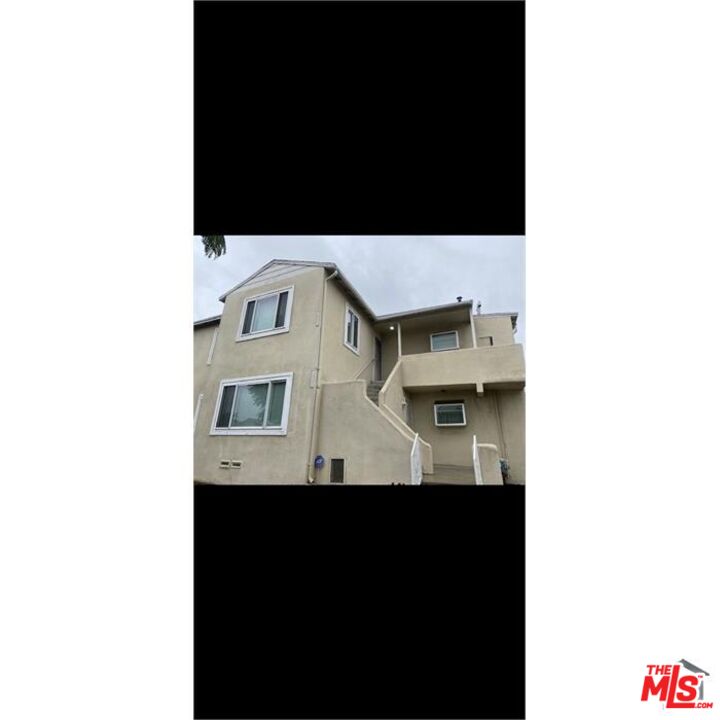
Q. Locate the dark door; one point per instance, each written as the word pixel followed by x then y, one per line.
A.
pixel 378 359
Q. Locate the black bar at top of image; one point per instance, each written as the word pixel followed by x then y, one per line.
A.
pixel 359 117
pixel 359 602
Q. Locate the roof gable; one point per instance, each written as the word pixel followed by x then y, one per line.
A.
pixel 275 269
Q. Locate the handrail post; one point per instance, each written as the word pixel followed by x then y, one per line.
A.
pixel 476 462
pixel 415 462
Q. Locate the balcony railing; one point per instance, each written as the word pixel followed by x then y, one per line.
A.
pixel 501 367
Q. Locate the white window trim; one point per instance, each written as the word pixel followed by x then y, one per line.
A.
pixel 273 331
pixel 442 425
pixel 350 308
pixel 445 332
pixel 256 380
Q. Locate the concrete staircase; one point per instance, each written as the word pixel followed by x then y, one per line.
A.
pixel 450 475
pixel 373 390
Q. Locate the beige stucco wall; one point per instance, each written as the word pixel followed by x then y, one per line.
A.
pixel 389 353
pixel 453 445
pixel 338 361
pixel 512 414
pixel 393 403
pixel 497 327
pixel 490 365
pixel 353 428
pixel 418 341
pixel 392 394
pixel 270 459
pixel 488 465
pixel 202 339
pixel 497 418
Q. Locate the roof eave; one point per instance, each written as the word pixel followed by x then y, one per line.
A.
pixel 449 307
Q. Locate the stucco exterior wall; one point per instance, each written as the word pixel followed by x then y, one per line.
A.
pixel 389 353
pixel 266 459
pixel 392 393
pixel 453 445
pixel 489 365
pixel 497 418
pixel 488 465
pixel 338 361
pixel 353 428
pixel 512 414
pixel 202 340
pixel 418 341
pixel 497 327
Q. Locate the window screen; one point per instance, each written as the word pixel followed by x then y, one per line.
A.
pixel 266 313
pixel 450 413
pixel 252 405
pixel 352 326
pixel 444 341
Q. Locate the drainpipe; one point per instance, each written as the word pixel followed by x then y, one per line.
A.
pixel 501 432
pixel 472 326
pixel 399 341
pixel 316 406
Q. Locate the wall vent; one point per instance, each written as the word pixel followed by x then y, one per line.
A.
pixel 224 463
pixel 337 470
pixel 236 463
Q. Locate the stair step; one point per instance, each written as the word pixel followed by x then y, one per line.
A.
pixel 450 475
pixel 372 390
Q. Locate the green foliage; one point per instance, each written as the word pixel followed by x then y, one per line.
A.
pixel 214 245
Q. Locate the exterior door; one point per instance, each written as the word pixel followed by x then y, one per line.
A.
pixel 378 359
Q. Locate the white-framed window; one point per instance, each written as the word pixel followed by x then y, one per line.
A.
pixel 352 330
pixel 266 314
pixel 253 406
pixel 450 414
pixel 444 341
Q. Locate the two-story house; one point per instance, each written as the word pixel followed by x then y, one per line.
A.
pixel 298 381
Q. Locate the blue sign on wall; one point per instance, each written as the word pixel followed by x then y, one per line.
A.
pixel 319 461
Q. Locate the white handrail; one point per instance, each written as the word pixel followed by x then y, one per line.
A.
pixel 476 462
pixel 415 462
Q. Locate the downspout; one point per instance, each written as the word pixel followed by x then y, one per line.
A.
pixel 501 431
pixel 316 406
pixel 197 410
pixel 472 326
pixel 399 335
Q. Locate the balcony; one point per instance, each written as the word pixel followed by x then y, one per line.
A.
pixel 494 368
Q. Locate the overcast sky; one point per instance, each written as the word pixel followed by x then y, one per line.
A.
pixel 391 273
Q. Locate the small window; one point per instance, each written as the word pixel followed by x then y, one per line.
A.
pixel 253 406
pixel 444 341
pixel 337 470
pixel 266 314
pixel 450 414
pixel 352 329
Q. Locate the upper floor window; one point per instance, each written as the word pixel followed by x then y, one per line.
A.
pixel 253 406
pixel 352 329
pixel 266 314
pixel 444 341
